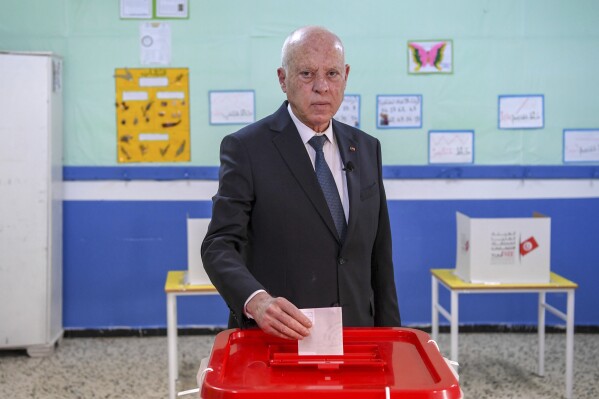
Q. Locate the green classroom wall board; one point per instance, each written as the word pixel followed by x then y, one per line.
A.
pixel 503 54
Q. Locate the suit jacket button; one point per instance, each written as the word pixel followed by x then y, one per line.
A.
pixel 342 261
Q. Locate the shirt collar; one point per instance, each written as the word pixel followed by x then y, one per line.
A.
pixel 306 133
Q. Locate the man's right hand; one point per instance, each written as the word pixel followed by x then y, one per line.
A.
pixel 278 316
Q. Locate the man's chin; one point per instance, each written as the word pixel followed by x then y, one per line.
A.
pixel 319 124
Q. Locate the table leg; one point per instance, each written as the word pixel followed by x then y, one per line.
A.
pixel 435 311
pixel 541 333
pixel 454 326
pixel 171 331
pixel 569 343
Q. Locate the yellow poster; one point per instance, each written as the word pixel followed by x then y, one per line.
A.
pixel 152 115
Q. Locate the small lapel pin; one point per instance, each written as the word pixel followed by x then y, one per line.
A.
pixel 352 148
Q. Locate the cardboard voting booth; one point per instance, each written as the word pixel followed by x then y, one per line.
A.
pixel 377 363
pixel 196 232
pixel 503 250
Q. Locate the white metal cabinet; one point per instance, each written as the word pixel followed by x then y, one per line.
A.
pixel 30 201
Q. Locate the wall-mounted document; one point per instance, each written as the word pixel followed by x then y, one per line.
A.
pixel 136 9
pixel 450 147
pixel 581 145
pixel 232 107
pixel 172 9
pixel 521 112
pixel 349 111
pixel 434 56
pixel 399 111
pixel 155 43
pixel 152 9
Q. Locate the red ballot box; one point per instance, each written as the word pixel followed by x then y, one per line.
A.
pixel 377 363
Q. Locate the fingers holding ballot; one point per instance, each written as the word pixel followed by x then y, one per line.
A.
pixel 279 317
pixel 319 331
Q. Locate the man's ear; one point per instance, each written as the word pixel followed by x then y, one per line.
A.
pixel 281 75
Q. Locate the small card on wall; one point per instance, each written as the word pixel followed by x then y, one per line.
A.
pixel 136 9
pixel 155 43
pixel 451 147
pixel 581 145
pixel 172 9
pixel 154 9
pixel 521 111
pixel 232 107
pixel 399 111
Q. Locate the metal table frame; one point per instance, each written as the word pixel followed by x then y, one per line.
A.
pixel 456 286
pixel 175 286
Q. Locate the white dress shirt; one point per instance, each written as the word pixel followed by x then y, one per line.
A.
pixel 331 155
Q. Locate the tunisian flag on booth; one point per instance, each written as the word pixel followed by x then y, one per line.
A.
pixel 528 246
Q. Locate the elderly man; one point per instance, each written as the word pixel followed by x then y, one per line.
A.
pixel 300 218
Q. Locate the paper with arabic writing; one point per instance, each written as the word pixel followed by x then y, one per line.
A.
pixel 232 107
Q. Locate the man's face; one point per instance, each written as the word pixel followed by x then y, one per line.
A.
pixel 315 81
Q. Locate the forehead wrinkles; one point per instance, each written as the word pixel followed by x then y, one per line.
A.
pixel 314 55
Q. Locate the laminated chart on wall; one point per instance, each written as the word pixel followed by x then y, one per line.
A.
pixel 402 111
pixel 434 56
pixel 152 115
pixel 451 146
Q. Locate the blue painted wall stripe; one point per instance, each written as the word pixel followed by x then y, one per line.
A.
pixel 76 173
pixel 117 255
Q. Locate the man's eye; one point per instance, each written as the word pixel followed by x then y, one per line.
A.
pixel 333 74
pixel 305 74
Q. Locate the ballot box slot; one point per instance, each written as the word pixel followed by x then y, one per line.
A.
pixel 363 356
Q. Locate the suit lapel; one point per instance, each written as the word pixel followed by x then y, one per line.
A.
pixel 293 151
pixel 348 149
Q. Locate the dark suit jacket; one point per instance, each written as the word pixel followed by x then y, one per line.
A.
pixel 271 227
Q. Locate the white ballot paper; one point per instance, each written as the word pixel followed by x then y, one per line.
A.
pixel 326 334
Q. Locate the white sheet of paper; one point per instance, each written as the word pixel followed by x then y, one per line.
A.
pixel 172 9
pixel 232 107
pixel 155 43
pixel 326 334
pixel 136 9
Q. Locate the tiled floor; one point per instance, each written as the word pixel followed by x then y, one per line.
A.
pixel 500 365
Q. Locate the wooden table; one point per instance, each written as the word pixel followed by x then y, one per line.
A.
pixel 176 286
pixel 456 286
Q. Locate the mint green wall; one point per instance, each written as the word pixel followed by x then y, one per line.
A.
pixel 545 47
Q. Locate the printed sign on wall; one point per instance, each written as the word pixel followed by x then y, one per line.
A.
pixel 521 112
pixel 399 111
pixel 434 56
pixel 232 107
pixel 152 115
pixel 450 147
pixel 581 145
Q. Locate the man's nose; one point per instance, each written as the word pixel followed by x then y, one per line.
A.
pixel 321 85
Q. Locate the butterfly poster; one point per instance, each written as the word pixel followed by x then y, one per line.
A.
pixel 434 56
